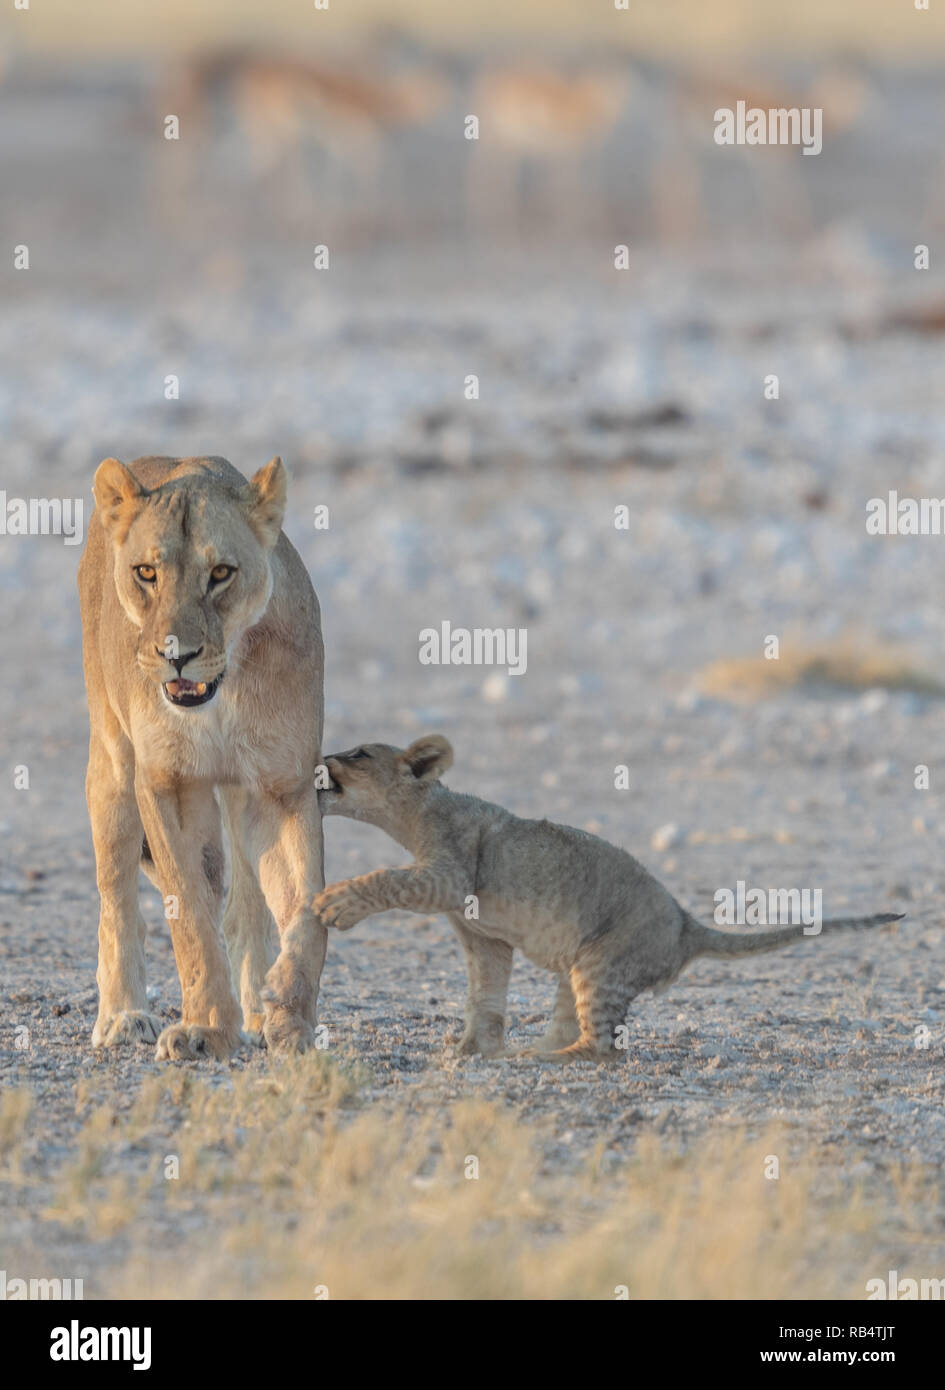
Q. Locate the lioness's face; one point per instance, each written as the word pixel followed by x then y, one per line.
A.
pixel 192 572
pixel 375 778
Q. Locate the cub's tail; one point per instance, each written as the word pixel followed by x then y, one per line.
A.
pixel 706 941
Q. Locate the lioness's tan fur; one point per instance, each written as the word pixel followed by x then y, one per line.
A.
pixel 569 901
pixel 153 767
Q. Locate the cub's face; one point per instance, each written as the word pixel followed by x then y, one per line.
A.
pixel 191 570
pixel 376 779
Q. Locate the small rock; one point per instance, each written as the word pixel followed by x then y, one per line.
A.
pixel 666 837
pixel 681 1029
pixel 495 687
pixel 873 701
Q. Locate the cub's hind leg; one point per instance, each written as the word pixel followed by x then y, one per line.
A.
pixel 604 988
pixel 488 967
pixel 563 1027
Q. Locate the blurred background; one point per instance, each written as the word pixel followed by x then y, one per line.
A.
pixel 349 122
pixel 345 129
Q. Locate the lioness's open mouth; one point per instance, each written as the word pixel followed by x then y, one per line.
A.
pixel 185 694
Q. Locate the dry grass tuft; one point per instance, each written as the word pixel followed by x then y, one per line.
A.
pixel 852 663
pixel 15 1107
pixel 285 1185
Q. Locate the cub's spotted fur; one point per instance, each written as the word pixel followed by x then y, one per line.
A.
pixel 568 900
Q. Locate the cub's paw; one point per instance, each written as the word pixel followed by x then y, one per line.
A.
pixel 557 1040
pixel 485 1038
pixel 129 1026
pixel 190 1042
pixel 287 1031
pixel 339 906
pixel 578 1052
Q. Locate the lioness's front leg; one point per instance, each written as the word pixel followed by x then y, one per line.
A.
pixel 285 831
pixel 435 887
pixel 182 824
pixel 248 928
pixel 123 1014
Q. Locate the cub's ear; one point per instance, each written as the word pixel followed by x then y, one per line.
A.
pixel 119 497
pixel 429 757
pixel 263 500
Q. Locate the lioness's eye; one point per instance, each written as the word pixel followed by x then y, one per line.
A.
pixel 221 572
pixel 146 573
pixel 360 753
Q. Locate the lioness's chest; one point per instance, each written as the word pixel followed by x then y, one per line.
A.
pixel 215 743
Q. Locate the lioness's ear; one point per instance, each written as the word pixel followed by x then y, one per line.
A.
pixel 264 502
pixel 429 757
pixel 119 497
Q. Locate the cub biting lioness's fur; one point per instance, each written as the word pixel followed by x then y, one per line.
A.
pixel 569 901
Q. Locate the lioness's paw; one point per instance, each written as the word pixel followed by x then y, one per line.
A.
pixel 339 907
pixel 287 1031
pixel 188 1042
pixel 253 1025
pixel 129 1026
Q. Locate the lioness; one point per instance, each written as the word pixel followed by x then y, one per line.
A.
pixel 203 666
pixel 569 901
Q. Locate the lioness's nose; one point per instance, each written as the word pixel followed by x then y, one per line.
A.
pixel 179 661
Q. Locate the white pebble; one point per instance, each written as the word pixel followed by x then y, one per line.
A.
pixel 666 837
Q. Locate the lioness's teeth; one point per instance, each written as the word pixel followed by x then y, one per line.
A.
pixel 172 687
pixel 201 687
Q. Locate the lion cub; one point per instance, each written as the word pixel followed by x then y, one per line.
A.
pixel 569 901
